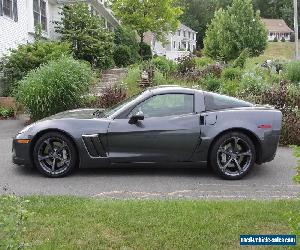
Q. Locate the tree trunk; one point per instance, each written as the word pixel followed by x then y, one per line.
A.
pixel 142 41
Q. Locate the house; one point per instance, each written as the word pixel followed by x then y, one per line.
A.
pixel 180 43
pixel 277 28
pixel 18 19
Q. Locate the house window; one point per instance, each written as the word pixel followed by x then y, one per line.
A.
pixel 184 33
pixel 174 45
pixel 40 14
pixel 189 34
pixel 179 32
pixel 9 8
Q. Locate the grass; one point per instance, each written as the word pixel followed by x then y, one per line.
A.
pixel 81 223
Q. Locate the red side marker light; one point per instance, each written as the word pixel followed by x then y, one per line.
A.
pixel 264 126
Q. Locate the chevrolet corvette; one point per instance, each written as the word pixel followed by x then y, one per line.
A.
pixel 164 125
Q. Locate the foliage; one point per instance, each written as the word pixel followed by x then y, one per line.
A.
pixel 122 55
pixel 157 16
pixel 14 218
pixel 202 62
pixel 211 84
pixel 199 13
pixel 232 73
pixel 15 65
pixel 296 153
pixel 145 51
pixel 186 64
pixel 292 71
pixel 132 79
pixel 159 78
pixel 110 95
pixel 126 36
pixel 230 88
pixel 292 38
pixel 282 39
pixel 251 83
pixel 164 65
pixel 54 87
pixel 90 41
pixel 233 30
pixel 275 40
pixel 241 60
pixel 6 112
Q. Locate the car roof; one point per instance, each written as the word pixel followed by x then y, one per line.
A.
pixel 163 89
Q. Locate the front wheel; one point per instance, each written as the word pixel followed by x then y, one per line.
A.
pixel 232 155
pixel 54 155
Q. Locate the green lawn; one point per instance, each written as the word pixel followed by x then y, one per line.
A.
pixel 79 223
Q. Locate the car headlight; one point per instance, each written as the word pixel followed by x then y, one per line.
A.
pixel 27 128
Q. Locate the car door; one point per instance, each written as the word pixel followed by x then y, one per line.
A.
pixel 169 132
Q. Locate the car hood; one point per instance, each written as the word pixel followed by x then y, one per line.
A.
pixel 76 114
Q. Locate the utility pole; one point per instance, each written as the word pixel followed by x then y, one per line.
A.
pixel 296 29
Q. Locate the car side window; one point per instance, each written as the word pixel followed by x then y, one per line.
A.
pixel 166 105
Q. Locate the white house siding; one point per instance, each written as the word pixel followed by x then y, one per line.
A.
pixel 14 33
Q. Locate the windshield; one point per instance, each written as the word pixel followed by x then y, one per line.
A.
pixel 109 111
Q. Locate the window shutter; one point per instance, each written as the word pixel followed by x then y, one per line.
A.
pixel 1 8
pixel 15 10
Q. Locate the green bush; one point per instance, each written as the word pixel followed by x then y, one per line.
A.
pixel 132 80
pixel 122 56
pixel 159 78
pixel 126 36
pixel 275 39
pixel 252 83
pixel 186 64
pixel 292 71
pixel 25 58
pixel 6 112
pixel 164 65
pixel 145 51
pixel 202 62
pixel 54 87
pixel 211 84
pixel 232 74
pixel 230 88
pixel 282 39
pixel 241 60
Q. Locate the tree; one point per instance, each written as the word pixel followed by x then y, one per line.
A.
pixel 199 13
pixel 157 16
pixel 89 39
pixel 233 30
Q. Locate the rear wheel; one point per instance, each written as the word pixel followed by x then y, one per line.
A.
pixel 54 155
pixel 232 155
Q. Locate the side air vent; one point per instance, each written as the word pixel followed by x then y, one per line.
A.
pixel 94 145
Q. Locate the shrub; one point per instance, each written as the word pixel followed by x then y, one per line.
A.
pixel 241 60
pixel 164 65
pixel 122 55
pixel 186 64
pixel 6 112
pixel 132 80
pixel 90 40
pixel 202 62
pixel 251 83
pixel 126 36
pixel 292 37
pixel 211 84
pixel 275 39
pixel 54 87
pixel 159 78
pixel 25 58
pixel 282 39
pixel 145 51
pixel 292 71
pixel 110 96
pixel 232 74
pixel 230 88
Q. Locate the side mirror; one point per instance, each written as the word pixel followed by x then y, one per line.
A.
pixel 139 116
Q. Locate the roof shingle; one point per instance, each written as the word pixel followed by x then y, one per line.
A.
pixel 276 25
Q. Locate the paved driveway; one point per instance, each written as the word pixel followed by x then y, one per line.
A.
pixel 268 181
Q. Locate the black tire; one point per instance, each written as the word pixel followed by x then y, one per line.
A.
pixel 232 155
pixel 55 149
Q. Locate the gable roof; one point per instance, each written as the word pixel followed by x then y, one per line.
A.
pixel 184 27
pixel 276 25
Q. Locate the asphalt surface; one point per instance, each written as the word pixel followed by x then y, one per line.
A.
pixel 269 181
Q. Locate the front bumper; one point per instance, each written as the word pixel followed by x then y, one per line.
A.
pixel 21 153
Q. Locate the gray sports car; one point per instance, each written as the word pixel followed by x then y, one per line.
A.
pixel 163 125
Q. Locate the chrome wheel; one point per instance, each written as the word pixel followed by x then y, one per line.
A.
pixel 54 156
pixel 234 156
